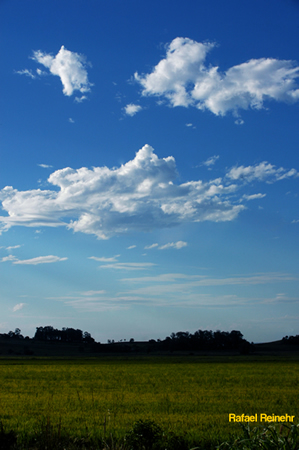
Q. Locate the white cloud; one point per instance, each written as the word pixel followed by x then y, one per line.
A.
pixel 69 66
pixel 127 266
pixel 18 307
pixel 281 174
pixel 151 246
pixel 39 260
pixel 80 99
pixel 211 161
pixel 253 196
pixel 140 195
pixel 180 283
pixel 165 277
pixel 173 74
pixel 41 72
pixel 260 172
pixel 132 109
pixel 45 166
pixel 178 245
pixel 184 79
pixel 103 259
pixel 13 247
pixel 26 72
pixel 131 246
pixel 92 293
pixel 8 258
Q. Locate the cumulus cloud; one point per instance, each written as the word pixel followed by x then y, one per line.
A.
pixel 132 109
pixel 184 78
pixel 69 66
pixel 140 195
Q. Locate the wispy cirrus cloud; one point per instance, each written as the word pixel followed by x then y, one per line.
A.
pixel 180 290
pixel 113 263
pixel 12 247
pixel 127 266
pixel 148 247
pixel 45 166
pixel 183 78
pixel 26 72
pixel 92 293
pixel 177 245
pixel 18 307
pixel 211 161
pixel 33 261
pixel 104 259
pixel 253 196
pixel 172 284
pixel 262 171
pixel 140 195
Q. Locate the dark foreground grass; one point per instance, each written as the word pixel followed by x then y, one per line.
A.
pixel 147 435
pixel 178 403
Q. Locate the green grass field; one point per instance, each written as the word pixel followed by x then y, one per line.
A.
pixel 188 395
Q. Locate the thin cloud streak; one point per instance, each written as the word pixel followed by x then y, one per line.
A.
pixel 127 266
pixel 18 307
pixel 39 260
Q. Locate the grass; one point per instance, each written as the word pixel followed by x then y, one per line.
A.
pixel 99 400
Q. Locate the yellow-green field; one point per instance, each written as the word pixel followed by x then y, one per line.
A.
pixel 188 394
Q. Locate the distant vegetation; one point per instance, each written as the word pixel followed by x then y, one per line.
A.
pixel 49 333
pixel 180 341
pixel 291 340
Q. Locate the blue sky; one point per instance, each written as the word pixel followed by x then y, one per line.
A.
pixel 149 167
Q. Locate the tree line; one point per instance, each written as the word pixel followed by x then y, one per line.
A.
pixel 49 333
pixel 180 341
